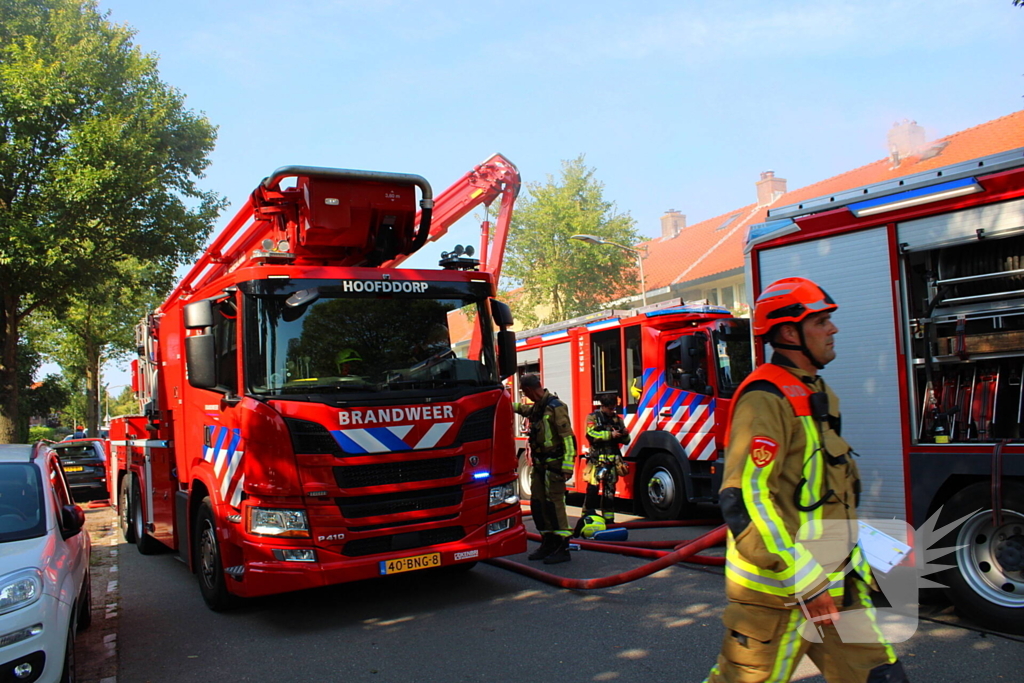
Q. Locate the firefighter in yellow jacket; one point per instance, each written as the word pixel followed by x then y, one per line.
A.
pixel 553 452
pixel 796 581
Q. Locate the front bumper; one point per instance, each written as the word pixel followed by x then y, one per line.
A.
pixel 263 574
pixel 50 643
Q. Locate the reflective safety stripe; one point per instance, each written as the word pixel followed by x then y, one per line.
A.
pixel 813 490
pixel 800 565
pixel 546 421
pixel 869 609
pixel 860 563
pixel 568 454
pixel 789 646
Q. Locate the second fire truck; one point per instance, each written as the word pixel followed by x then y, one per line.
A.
pixel 673 367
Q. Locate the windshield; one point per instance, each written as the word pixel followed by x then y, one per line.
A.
pixel 308 337
pixel 22 514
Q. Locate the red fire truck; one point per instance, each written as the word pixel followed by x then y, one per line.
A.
pixel 927 271
pixel 305 416
pixel 674 368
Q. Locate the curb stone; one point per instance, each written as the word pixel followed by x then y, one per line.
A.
pixel 96 647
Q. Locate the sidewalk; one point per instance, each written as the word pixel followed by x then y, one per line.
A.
pixel 96 647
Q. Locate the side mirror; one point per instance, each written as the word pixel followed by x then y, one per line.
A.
pixel 506 353
pixel 689 348
pixel 198 314
pixel 72 519
pixel 501 313
pixel 199 361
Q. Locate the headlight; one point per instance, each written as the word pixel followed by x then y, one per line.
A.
pixel 280 523
pixel 20 589
pixel 504 495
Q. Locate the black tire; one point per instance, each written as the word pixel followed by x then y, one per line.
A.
pixel 523 472
pixel 85 604
pixel 662 491
pixel 69 673
pixel 124 509
pixel 987 583
pixel 146 544
pixel 209 568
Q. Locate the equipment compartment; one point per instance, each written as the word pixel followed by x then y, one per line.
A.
pixel 966 329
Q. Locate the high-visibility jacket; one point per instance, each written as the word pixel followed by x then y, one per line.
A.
pixel 789 491
pixel 551 436
pixel 599 433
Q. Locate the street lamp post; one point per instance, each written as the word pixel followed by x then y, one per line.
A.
pixel 593 239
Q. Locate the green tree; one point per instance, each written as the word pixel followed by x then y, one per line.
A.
pixel 35 399
pixel 99 326
pixel 124 404
pixel 99 161
pixel 560 277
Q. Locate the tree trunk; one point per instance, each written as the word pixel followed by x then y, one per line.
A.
pixel 92 388
pixel 9 368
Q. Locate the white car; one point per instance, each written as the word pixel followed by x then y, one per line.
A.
pixel 44 567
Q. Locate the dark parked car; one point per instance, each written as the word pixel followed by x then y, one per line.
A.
pixel 85 466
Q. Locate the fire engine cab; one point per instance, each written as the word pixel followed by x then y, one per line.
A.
pixel 674 368
pixel 306 416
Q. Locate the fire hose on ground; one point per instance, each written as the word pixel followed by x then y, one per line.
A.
pixel 682 551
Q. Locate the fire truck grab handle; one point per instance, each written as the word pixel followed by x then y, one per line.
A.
pixel 426 202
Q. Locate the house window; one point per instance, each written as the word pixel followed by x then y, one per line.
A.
pixel 728 299
pixel 712 297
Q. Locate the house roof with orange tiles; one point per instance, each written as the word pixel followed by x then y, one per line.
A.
pixel 715 246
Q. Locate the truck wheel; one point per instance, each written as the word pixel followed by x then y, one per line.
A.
pixel 124 510
pixel 212 582
pixel 662 491
pixel 987 583
pixel 523 471
pixel 146 544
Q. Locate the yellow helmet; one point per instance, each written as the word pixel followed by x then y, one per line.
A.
pixel 593 524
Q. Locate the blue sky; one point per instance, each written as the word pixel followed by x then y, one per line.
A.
pixel 676 104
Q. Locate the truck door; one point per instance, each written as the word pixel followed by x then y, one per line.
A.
pixel 686 406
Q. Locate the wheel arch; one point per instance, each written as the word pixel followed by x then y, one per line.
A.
pixel 650 444
pixel 197 493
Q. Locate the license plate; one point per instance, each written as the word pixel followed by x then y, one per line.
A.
pixel 408 564
pixel 74 468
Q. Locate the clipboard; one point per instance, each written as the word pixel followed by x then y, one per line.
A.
pixel 882 551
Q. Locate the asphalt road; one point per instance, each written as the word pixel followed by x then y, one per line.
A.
pixel 488 625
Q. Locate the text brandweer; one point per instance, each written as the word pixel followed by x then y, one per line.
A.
pixel 363 417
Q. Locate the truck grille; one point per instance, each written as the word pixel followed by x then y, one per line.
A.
pixel 406 541
pixel 355 476
pixel 478 426
pixel 310 437
pixel 394 503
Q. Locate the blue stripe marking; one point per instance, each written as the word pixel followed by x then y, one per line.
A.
pixel 645 397
pixel 347 444
pixel 236 436
pixel 221 433
pixel 388 438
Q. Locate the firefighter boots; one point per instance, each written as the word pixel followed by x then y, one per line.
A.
pixel 561 551
pixel 548 544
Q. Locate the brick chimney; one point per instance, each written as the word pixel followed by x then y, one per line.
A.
pixel 672 223
pixel 769 188
pixel 905 139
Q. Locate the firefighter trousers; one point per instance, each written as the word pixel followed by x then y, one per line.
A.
pixel 764 645
pixel 547 497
